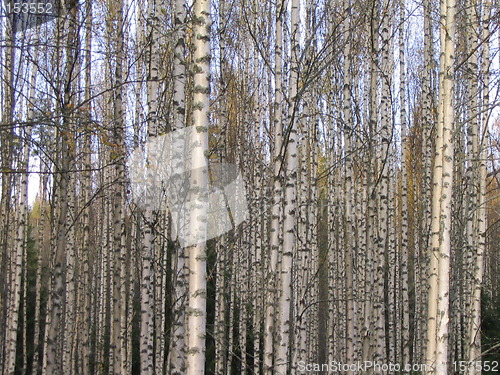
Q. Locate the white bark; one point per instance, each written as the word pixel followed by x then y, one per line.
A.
pixel 271 293
pixel 148 251
pixel 439 288
pixel 86 291
pixel 16 263
pixel 348 224
pixel 478 270
pixel 197 221
pixel 405 313
pixel 423 268
pixel 52 349
pixel 118 241
pixel 289 231
pixel 177 356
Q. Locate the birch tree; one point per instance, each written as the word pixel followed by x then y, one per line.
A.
pixel 8 71
pixel 177 340
pixel 271 293
pixel 405 314
pixel 197 221
pixel 148 251
pixel 289 230
pixel 117 156
pixel 52 358
pixel 19 252
pixel 474 334
pixel 439 287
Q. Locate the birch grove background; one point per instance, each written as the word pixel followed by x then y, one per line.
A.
pixel 367 133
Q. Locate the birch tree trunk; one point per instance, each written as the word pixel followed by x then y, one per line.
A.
pixel 474 334
pixel 118 243
pixel 38 338
pixel 52 357
pixel 148 251
pixel 8 71
pixel 87 183
pixel 177 355
pixel 422 265
pixel 348 224
pixel 405 312
pixel 197 221
pixel 439 288
pixel 17 257
pixel 289 230
pixel 271 293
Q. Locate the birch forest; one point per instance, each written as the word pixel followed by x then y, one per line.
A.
pixel 365 135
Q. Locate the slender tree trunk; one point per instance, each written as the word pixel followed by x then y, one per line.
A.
pixel 422 265
pixel 87 184
pixel 478 270
pixel 439 288
pixel 348 225
pixel 17 259
pixel 177 355
pixel 148 258
pixel 197 221
pixel 290 208
pixel 118 243
pixel 6 199
pixel 52 358
pixel 405 312
pixel 38 337
pixel 271 295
